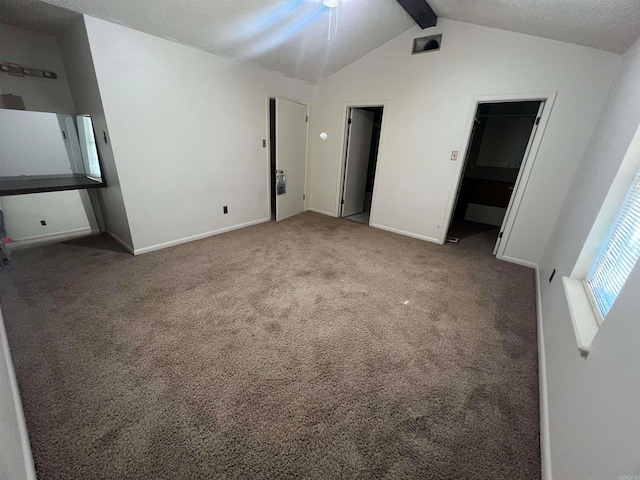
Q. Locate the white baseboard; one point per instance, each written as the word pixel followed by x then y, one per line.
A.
pixel 200 236
pixel 25 446
pixel 128 247
pixel 50 238
pixel 517 261
pixel 545 441
pixel 406 234
pixel 323 212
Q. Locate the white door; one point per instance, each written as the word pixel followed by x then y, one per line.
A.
pixel 291 153
pixel 517 184
pixel 357 161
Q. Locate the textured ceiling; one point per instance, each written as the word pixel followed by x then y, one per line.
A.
pixel 290 36
pixel 611 25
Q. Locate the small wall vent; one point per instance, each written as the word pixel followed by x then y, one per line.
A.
pixel 426 44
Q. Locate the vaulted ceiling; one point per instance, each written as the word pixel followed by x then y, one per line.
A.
pixel 306 40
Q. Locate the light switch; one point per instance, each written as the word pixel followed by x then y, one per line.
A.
pixel 454 155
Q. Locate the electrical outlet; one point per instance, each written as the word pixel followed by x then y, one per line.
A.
pixel 454 155
pixel 225 210
pixel 264 143
pixel 43 223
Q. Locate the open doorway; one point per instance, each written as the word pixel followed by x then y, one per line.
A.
pixel 364 125
pixel 501 140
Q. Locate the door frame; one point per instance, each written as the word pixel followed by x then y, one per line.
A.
pixel 342 164
pixel 525 168
pixel 267 138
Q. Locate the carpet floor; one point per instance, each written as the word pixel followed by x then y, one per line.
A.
pixel 312 348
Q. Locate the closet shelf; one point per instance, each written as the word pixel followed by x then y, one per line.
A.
pixel 46 183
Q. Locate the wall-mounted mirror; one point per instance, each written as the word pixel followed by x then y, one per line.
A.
pixel 58 150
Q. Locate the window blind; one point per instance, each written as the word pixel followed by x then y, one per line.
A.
pixel 618 254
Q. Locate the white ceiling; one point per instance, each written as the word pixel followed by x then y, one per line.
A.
pixel 290 36
pixel 611 25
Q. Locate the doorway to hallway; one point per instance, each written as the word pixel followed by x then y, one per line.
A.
pixel 364 126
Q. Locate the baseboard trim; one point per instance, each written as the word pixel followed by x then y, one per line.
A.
pixel 27 456
pixel 200 236
pixel 406 234
pixel 51 238
pixel 545 441
pixel 517 261
pixel 128 247
pixel 323 212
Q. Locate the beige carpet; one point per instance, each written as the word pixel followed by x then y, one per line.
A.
pixel 314 348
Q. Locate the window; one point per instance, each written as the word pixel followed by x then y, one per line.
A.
pixel 605 273
pixel 618 254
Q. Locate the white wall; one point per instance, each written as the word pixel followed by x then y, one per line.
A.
pixel 60 224
pixel 186 130
pixel 429 98
pixel 36 50
pixel 78 61
pixel 64 212
pixel 594 412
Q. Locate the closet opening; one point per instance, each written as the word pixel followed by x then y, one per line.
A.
pixel 500 144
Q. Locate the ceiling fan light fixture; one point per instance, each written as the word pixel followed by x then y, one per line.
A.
pixel 330 3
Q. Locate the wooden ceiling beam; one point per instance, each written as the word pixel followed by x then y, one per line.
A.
pixel 420 11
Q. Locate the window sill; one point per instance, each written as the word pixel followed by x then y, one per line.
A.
pixel 584 319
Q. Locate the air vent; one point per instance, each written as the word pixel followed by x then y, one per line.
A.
pixel 427 44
